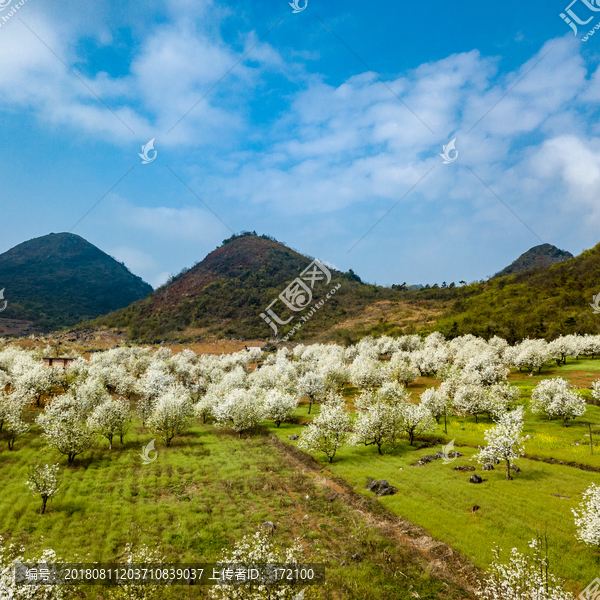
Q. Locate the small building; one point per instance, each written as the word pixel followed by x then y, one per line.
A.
pixel 61 361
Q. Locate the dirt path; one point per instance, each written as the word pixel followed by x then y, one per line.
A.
pixel 443 562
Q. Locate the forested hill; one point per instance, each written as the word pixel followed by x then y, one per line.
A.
pixel 225 294
pixel 544 302
pixel 544 255
pixel 59 279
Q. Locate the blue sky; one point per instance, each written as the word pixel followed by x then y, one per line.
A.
pixel 300 140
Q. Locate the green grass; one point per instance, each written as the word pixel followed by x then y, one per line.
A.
pixel 199 496
pixel 512 512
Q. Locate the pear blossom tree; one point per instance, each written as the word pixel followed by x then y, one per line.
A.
pixel 378 425
pixel 556 398
pixel 436 401
pixel 416 420
pixel 43 481
pixel 111 418
pixel 401 369
pixel 522 577
pixel 279 406
pixel 328 431
pixel 171 414
pixel 261 549
pixel 10 556
pixel 504 440
pixel 65 427
pixel 240 409
pixel 470 399
pixel 312 386
pixel 14 426
pixel 587 517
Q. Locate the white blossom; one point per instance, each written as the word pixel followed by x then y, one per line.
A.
pixel 587 517
pixel 43 481
pixel 504 440
pixel 171 414
pixel 328 431
pixel 556 398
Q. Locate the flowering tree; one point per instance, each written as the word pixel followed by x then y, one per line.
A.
pixel 240 409
pixel 172 413
pixel 33 382
pixel 110 418
pixel 504 441
pixel 9 557
pixel 470 399
pixel 522 577
pixel 129 589
pixel 556 398
pixel 379 425
pixel 416 419
pixel 501 397
pixel 260 549
pixel 43 481
pixel 14 426
pixel 312 386
pixel 587 517
pixel 279 406
pixel 401 369
pixel 328 431
pixel 436 401
pixel 65 428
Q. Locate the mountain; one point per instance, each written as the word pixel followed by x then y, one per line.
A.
pixel 544 302
pixel 544 255
pixel 226 293
pixel 59 279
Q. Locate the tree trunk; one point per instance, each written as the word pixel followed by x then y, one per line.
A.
pixel 331 459
pixel 309 405
pixel 11 443
pixel 508 470
pixel 411 436
pixel 379 450
pixel 121 438
pixel 70 458
pixel 44 500
pixel 475 418
pixel 110 438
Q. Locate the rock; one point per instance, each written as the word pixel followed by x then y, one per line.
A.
pixel 357 557
pixel 464 468
pixel 343 563
pixel 293 437
pixel 305 518
pixel 381 487
pixel 487 468
pixel 515 468
pixel 270 526
pixel 475 508
pixel 475 478
pixel 439 454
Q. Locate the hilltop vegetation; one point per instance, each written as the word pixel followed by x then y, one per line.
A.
pixel 59 279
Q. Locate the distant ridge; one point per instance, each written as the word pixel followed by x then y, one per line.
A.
pixel 544 255
pixel 59 279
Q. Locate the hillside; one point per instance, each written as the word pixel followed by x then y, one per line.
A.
pixel 545 302
pixel 544 255
pixel 59 279
pixel 225 294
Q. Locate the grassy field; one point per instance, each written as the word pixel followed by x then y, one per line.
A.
pixel 537 501
pixel 199 496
